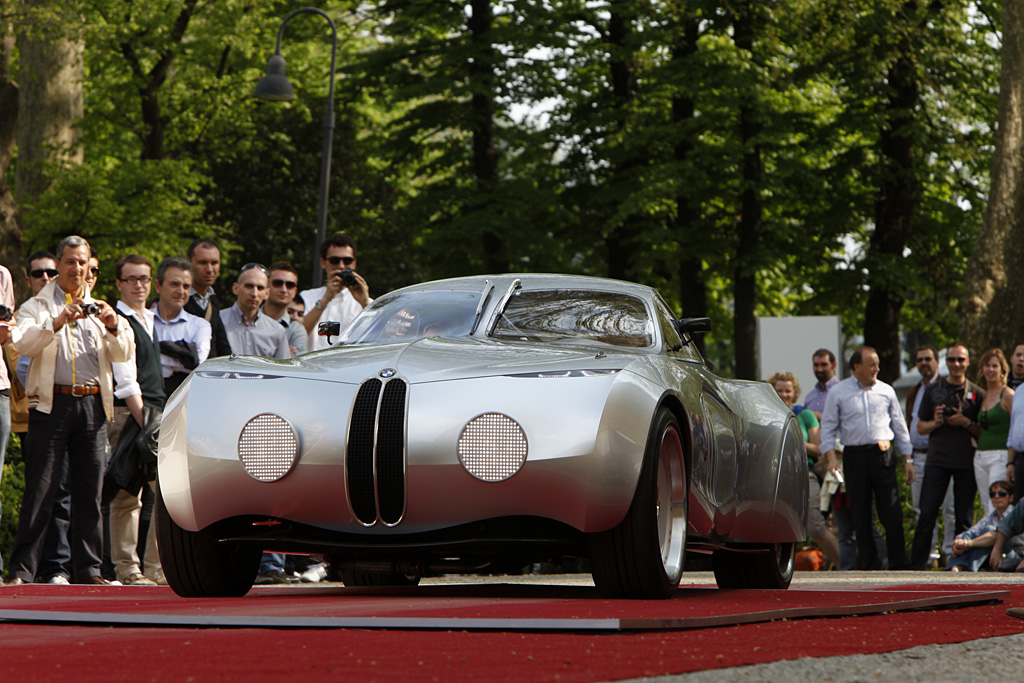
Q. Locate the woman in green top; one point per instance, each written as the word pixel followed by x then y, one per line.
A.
pixel 994 418
pixel 787 386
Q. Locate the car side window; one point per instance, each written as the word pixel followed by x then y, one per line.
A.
pixel 673 343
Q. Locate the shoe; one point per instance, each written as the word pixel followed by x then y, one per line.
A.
pixel 59 580
pixel 315 574
pixel 1016 612
pixel 273 576
pixel 100 581
pixel 16 581
pixel 137 579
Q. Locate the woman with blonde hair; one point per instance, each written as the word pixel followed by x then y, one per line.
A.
pixel 787 386
pixel 994 418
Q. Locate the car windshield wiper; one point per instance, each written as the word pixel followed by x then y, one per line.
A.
pixel 516 284
pixel 485 296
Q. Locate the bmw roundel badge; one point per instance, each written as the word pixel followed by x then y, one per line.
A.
pixel 387 372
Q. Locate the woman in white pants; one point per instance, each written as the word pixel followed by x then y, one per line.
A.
pixel 994 418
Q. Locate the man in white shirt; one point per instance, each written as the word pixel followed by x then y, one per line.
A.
pixel 138 384
pixel 344 296
pixel 865 413
pixel 184 338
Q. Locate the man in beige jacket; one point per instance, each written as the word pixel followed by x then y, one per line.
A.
pixel 71 340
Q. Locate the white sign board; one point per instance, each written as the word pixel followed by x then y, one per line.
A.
pixel 787 345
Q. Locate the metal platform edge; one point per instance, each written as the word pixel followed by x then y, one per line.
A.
pixel 947 601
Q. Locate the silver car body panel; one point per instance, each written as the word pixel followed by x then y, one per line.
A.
pixel 586 432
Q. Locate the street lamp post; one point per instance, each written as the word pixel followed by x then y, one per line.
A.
pixel 275 86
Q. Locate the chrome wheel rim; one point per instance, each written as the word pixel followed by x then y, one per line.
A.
pixel 671 505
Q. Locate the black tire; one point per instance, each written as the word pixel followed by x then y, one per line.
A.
pixel 197 566
pixel 770 568
pixel 643 556
pixel 361 578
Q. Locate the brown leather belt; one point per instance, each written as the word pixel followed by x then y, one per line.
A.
pixel 78 390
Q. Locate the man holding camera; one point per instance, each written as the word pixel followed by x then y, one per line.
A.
pixel 71 341
pixel 948 416
pixel 343 297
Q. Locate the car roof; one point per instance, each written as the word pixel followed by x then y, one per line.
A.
pixel 535 281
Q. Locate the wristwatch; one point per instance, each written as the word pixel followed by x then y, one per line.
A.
pixel 319 304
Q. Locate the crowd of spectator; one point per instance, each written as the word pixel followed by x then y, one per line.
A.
pixel 84 382
pixel 956 439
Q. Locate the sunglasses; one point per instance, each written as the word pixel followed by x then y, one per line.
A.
pixel 335 260
pixel 249 266
pixel 998 493
pixel 94 270
pixel 40 272
pixel 288 284
pixel 923 359
pixel 956 359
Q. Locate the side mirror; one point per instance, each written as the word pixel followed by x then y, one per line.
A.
pixel 329 329
pixel 693 325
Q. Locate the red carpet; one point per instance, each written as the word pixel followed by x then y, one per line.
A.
pixel 43 652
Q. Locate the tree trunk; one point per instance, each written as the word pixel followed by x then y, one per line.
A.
pixel 991 311
pixel 748 228
pixel 50 80
pixel 894 210
pixel 692 286
pixel 620 242
pixel 485 155
pixel 11 248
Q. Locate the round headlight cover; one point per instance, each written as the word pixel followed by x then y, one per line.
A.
pixel 268 447
pixel 492 447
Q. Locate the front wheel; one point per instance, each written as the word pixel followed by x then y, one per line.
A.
pixel 769 566
pixel 196 565
pixel 643 556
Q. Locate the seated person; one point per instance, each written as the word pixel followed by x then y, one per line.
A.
pixel 971 548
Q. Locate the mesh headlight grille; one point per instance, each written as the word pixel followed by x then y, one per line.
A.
pixel 492 447
pixel 267 447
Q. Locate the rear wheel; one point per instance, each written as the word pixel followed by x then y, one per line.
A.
pixel 196 565
pixel 643 556
pixel 770 567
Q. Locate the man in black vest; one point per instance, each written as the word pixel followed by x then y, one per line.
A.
pixel 139 396
pixel 205 258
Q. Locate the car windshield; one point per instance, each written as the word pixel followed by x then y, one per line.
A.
pixel 413 315
pixel 585 315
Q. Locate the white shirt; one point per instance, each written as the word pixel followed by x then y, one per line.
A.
pixel 184 327
pixel 126 375
pixel 862 416
pixel 343 308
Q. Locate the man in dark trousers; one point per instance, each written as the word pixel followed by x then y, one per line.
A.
pixel 203 302
pixel 71 340
pixel 865 413
pixel 948 415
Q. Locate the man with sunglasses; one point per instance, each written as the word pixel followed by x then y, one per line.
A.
pixel 335 301
pixel 949 417
pixel 1011 525
pixel 204 258
pixel 926 360
pixel 284 285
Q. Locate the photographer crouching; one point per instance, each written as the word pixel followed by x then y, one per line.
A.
pixel 345 294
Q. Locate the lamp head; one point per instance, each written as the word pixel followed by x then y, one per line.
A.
pixel 275 85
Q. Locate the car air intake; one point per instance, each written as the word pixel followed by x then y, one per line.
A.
pixel 375 460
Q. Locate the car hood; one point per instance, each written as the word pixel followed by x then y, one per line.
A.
pixel 427 360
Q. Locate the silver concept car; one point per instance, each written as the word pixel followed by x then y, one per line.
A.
pixel 480 424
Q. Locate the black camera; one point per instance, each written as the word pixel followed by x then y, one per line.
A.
pixel 5 314
pixel 90 309
pixel 348 278
pixel 948 411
